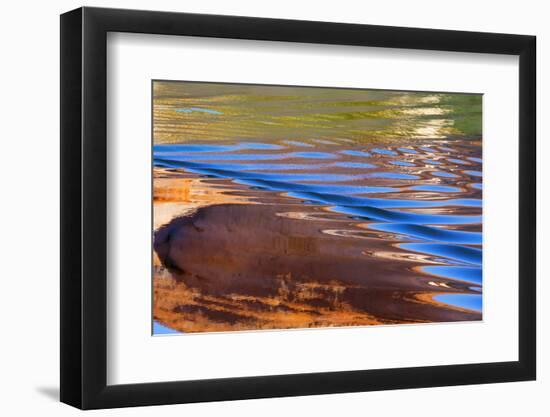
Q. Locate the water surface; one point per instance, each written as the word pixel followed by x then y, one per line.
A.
pixel 283 207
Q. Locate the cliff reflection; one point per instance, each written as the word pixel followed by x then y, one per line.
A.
pixel 280 208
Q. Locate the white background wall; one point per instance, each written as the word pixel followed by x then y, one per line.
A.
pixel 29 108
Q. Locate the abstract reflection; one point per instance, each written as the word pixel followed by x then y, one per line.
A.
pixel 295 207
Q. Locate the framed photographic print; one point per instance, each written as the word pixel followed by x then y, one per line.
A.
pixel 257 208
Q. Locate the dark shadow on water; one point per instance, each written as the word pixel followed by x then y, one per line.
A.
pixel 49 392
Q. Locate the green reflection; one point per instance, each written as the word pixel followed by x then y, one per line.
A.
pixel 185 111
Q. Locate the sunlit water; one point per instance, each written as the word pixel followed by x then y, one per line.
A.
pixel 427 200
pixel 408 213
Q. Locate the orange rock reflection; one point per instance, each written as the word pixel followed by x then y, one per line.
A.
pixel 231 258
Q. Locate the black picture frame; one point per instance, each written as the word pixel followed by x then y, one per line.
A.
pixel 84 207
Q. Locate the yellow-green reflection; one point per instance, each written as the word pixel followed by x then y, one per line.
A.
pixel 185 111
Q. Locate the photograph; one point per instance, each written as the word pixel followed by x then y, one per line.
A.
pixel 290 207
pixel 331 202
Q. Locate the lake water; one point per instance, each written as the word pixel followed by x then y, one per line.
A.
pixel 324 208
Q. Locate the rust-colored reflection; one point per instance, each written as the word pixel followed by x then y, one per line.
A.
pixel 234 258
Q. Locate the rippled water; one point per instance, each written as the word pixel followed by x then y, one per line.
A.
pixel 215 112
pixel 287 230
